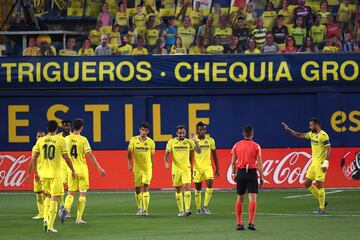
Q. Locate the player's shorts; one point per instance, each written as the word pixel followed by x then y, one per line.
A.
pixel 247 181
pixel 53 186
pixel 181 177
pixel 64 174
pixel 142 176
pixel 38 186
pixel 203 174
pixel 80 183
pixel 314 172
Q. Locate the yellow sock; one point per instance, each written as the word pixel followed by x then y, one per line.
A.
pixel 40 203
pixel 314 191
pixel 46 209
pixel 146 200
pixel 69 202
pixel 208 194
pixel 187 200
pixel 198 199
pixel 52 213
pixel 322 198
pixel 61 200
pixel 80 207
pixel 180 201
pixel 139 199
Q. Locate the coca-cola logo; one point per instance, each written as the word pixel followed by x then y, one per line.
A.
pixel 352 169
pixel 11 172
pixel 290 169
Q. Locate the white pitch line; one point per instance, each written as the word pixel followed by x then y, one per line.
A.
pixel 306 195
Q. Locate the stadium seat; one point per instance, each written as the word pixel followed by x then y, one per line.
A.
pixel 93 8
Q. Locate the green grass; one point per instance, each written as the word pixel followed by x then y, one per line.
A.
pixel 111 215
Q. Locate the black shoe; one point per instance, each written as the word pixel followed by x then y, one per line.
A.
pixel 240 227
pixel 251 227
pixel 326 203
pixel 63 215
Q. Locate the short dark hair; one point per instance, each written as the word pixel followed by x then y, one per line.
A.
pixel 78 123
pixel 180 127
pixel 316 121
pixel 40 132
pixel 144 125
pixel 65 121
pixel 201 124
pixel 52 126
pixel 280 16
pixel 248 130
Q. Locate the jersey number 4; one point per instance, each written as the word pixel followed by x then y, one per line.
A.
pixel 73 151
pixel 49 152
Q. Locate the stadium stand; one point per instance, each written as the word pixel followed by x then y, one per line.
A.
pixel 314 25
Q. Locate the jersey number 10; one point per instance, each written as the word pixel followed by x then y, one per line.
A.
pixel 49 152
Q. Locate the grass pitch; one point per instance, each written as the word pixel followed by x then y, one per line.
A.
pixel 111 215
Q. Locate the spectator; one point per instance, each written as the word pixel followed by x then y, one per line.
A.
pixel 234 16
pixel 216 16
pixel 349 45
pixel 124 48
pixel 357 14
pixel 103 49
pixel 186 32
pixel 151 34
pixel 290 45
pixel 223 32
pixel 269 15
pixel 324 12
pixel 259 33
pixel 207 31
pixel 215 47
pixel 288 15
pixel 132 35
pixel 184 9
pixel 32 49
pixel 233 47
pixel 270 46
pixel 122 19
pixel 329 47
pixel 308 46
pixel 86 50
pixel 95 34
pixel 140 50
pixel 333 28
pixel 106 19
pixel 198 47
pixel 298 31
pixel 150 12
pixel 115 39
pixel 69 51
pixel 196 16
pixel 242 32
pixel 250 16
pixel 344 14
pixel 160 47
pixel 44 43
pixel 303 11
pixel 169 33
pixel 139 20
pixel 251 46
pixel 280 31
pixel 318 32
pixel 178 47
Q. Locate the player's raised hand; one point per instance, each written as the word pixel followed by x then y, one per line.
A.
pixel 286 127
pixel 193 137
pixel 102 172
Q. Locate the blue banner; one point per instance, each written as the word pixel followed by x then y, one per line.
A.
pixel 111 121
pixel 201 71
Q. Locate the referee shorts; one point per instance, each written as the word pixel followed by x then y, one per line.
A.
pixel 247 181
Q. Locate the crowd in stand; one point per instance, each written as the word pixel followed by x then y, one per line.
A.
pixel 183 27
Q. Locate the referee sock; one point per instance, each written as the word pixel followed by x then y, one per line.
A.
pixel 238 211
pixel 208 195
pixel 80 207
pixel 321 198
pixel 40 203
pixel 187 200
pixel 179 201
pixel 139 200
pixel 314 191
pixel 46 208
pixel 69 202
pixel 252 212
pixel 198 199
pixel 146 200
pixel 52 213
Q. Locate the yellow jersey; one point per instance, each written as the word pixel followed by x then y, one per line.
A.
pixel 318 143
pixel 95 37
pixel 124 49
pixel 78 147
pixel 66 52
pixel 223 34
pixel 139 20
pixel 215 49
pixel 187 35
pixel 137 51
pixel 256 51
pixel 31 51
pixel 122 19
pixel 39 162
pixel 203 160
pixel 324 17
pixel 151 36
pixel 142 150
pixel 51 148
pixel 196 18
pixel 180 150
pixel 288 16
pixel 86 52
pixel 196 50
pixel 114 38
pixel 344 13
pixel 330 49
pixel 269 19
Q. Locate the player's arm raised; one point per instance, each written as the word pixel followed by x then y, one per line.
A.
pixel 216 161
pixel 293 132
pixel 197 146
pixel 96 163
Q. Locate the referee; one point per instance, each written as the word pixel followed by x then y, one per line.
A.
pixel 246 160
